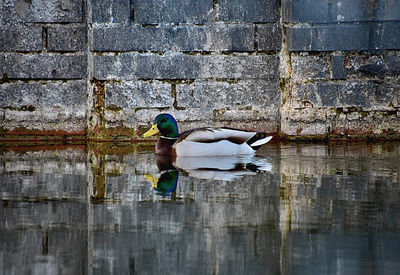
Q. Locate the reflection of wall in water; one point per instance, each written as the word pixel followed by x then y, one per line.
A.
pixel 339 185
pixel 313 188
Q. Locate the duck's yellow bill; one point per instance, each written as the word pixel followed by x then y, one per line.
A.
pixel 152 180
pixel 153 130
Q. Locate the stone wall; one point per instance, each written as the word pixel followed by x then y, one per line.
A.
pixel 43 77
pixel 104 69
pixel 343 66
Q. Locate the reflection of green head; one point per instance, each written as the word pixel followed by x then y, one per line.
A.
pixel 167 182
pixel 167 126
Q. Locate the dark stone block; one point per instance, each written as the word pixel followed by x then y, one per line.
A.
pixel 269 37
pixel 354 94
pixel 328 94
pixel 373 69
pixel 349 94
pixel 345 37
pixel 337 67
pixel 39 66
pixel 256 11
pixel 172 11
pixel 20 38
pixel 114 11
pixel 66 39
pixel 185 38
pixel 393 65
pixel 384 94
pixel 385 35
pixel 372 66
pixel 130 38
pixel 304 11
pixel 309 11
pixel 43 11
pixel 101 11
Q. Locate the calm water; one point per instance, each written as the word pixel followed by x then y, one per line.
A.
pixel 116 208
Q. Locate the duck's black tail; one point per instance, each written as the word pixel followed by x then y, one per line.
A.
pixel 258 140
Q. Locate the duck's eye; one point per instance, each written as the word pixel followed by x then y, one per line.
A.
pixel 163 120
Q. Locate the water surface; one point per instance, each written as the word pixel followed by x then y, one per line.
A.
pixel 117 208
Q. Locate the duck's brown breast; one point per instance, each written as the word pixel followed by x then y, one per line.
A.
pixel 164 146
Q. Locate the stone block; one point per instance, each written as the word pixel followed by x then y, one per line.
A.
pixel 242 95
pixel 114 66
pixel 307 67
pixel 308 11
pixel 65 39
pixel 51 106
pixel 257 11
pixel 43 11
pixel 173 66
pixel 130 38
pixel 348 94
pixel 383 35
pixel 372 65
pixel 51 94
pixel 229 38
pixel 114 11
pixel 264 67
pixel 45 66
pixel 181 38
pixel 337 67
pixel 20 38
pixel 385 95
pixel 345 37
pixel 269 37
pixel 138 94
pixel 19 95
pixel 392 62
pixel 305 95
pixel 70 95
pixel 181 66
pixel 332 94
pixel 172 11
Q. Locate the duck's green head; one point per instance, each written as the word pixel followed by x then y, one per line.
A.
pixel 165 124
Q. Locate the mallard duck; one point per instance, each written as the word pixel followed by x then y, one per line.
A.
pixel 205 141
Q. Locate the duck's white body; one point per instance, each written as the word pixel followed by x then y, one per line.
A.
pixel 217 142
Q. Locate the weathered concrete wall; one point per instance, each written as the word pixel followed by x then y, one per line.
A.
pixel 104 69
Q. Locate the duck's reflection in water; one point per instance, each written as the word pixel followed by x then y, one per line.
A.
pixel 227 168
